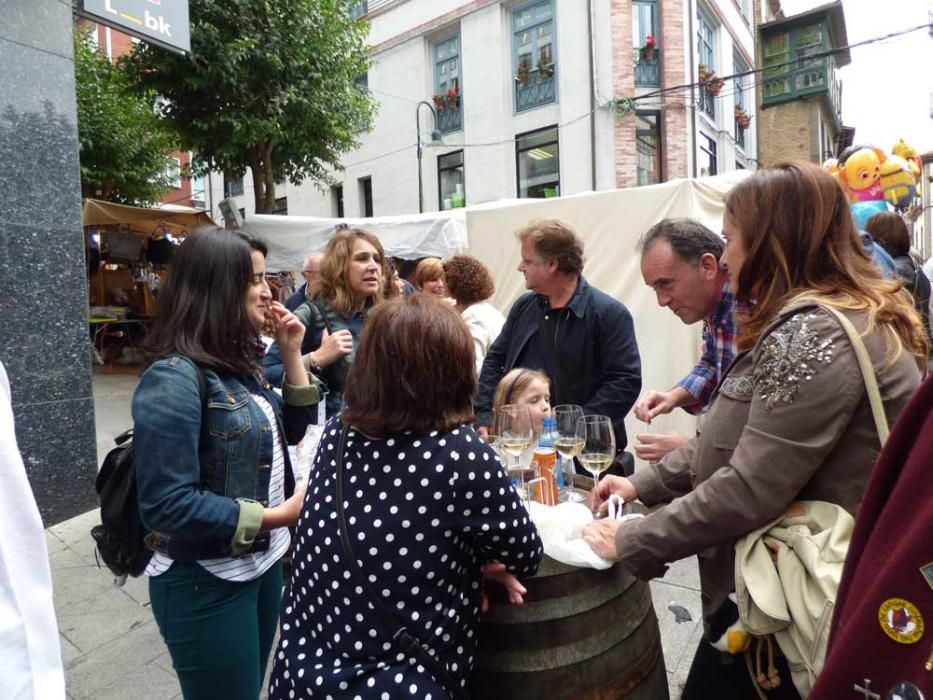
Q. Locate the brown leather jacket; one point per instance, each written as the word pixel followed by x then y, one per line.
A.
pixel 789 421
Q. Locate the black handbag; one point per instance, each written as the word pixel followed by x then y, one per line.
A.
pixel 404 641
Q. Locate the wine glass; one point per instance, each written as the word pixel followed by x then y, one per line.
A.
pixel 599 445
pixel 568 446
pixel 515 429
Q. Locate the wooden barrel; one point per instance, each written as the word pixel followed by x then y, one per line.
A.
pixel 581 633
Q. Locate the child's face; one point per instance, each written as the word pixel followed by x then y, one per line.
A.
pixel 537 397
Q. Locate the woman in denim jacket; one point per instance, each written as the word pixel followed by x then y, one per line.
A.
pixel 215 484
pixel 350 283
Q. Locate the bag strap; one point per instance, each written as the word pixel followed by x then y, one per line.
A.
pixel 404 640
pixel 868 374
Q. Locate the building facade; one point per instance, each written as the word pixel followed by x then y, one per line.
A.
pixel 801 95
pixel 539 98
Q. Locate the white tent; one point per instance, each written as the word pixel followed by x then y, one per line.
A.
pixel 610 224
pixel 291 238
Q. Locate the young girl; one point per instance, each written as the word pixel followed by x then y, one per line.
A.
pixel 528 387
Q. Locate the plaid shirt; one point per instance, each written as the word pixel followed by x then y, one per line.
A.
pixel 719 337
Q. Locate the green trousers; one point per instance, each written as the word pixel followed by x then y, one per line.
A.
pixel 218 633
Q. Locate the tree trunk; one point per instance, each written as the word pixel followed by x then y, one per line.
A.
pixel 259 182
pixel 269 178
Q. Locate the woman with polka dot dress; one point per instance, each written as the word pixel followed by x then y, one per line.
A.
pixel 426 505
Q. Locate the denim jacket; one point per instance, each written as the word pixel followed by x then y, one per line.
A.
pixel 202 486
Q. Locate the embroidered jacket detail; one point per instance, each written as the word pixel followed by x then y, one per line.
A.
pixel 740 388
pixel 790 355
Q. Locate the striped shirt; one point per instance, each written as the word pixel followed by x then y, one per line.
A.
pixel 253 565
pixel 720 331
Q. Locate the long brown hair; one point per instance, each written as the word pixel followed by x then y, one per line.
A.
pixel 201 310
pixel 413 369
pixel 332 283
pixel 800 241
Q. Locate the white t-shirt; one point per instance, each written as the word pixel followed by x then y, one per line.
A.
pixel 30 652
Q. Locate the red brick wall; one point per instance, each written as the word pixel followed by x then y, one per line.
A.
pixel 623 84
pixel 675 113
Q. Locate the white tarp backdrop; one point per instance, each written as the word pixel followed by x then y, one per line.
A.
pixel 610 224
pixel 291 238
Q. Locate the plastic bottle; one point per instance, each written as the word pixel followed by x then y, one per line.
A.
pixel 544 462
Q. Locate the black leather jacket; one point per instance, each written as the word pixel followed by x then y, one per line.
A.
pixel 594 345
pixel 917 284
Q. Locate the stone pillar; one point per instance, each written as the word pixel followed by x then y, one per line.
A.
pixel 43 285
pixel 676 60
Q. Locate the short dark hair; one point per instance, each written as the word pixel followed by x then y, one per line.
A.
pixel 690 239
pixel 555 238
pixel 414 369
pixel 201 310
pixel 889 229
pixel 468 281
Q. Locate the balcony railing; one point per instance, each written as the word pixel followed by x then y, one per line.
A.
pixel 647 69
pixel 450 118
pixel 707 102
pixel 538 88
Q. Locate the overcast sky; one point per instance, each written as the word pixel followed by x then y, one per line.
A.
pixel 886 90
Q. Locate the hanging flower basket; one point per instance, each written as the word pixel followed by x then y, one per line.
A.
pixel 742 118
pixel 440 101
pixel 452 98
pixel 545 70
pixel 522 74
pixel 650 50
pixel 710 80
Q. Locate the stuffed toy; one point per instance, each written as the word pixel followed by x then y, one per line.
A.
pixel 860 174
pixel 898 184
pixel 726 631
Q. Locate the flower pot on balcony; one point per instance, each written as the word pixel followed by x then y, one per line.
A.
pixel 649 52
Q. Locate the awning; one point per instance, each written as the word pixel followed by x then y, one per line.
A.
pixel 143 220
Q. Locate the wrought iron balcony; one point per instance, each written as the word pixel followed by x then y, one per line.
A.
pixel 647 69
pixel 450 118
pixel 537 88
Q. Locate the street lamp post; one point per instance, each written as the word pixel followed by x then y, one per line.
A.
pixel 435 141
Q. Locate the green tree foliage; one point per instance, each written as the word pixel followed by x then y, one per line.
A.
pixel 124 146
pixel 268 85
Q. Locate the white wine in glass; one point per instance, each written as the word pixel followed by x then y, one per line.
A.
pixel 599 445
pixel 516 431
pixel 568 446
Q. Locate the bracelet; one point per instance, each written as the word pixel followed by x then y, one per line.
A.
pixel 312 365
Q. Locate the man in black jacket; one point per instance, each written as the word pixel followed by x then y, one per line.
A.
pixel 582 338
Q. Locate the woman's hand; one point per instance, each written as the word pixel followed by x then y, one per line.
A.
pixel 600 535
pixel 333 347
pixel 609 485
pixel 285 514
pixel 289 331
pixel 495 571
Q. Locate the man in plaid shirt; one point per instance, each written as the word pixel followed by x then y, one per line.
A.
pixel 680 262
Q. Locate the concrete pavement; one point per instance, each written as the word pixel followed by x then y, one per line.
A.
pixel 111 646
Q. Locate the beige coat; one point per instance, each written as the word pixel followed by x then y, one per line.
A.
pixel 789 421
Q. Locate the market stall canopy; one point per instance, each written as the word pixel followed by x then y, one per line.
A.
pixel 291 238
pixel 610 224
pixel 143 220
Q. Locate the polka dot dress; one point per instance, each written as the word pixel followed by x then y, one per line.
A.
pixel 424 512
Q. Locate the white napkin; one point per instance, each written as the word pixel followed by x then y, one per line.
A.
pixel 559 527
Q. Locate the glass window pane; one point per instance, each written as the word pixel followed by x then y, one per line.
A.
pixel 538 164
pixel 648 148
pixel 450 180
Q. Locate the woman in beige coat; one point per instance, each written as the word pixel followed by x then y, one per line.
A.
pixel 791 419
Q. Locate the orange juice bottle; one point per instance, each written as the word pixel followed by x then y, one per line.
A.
pixel 544 462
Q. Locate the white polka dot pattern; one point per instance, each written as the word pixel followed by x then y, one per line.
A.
pixel 424 512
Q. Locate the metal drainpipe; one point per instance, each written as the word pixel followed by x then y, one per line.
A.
pixel 693 99
pixel 589 31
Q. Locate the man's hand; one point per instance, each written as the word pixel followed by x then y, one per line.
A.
pixel 651 447
pixel 495 571
pixel 600 535
pixel 333 347
pixel 608 485
pixel 654 404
